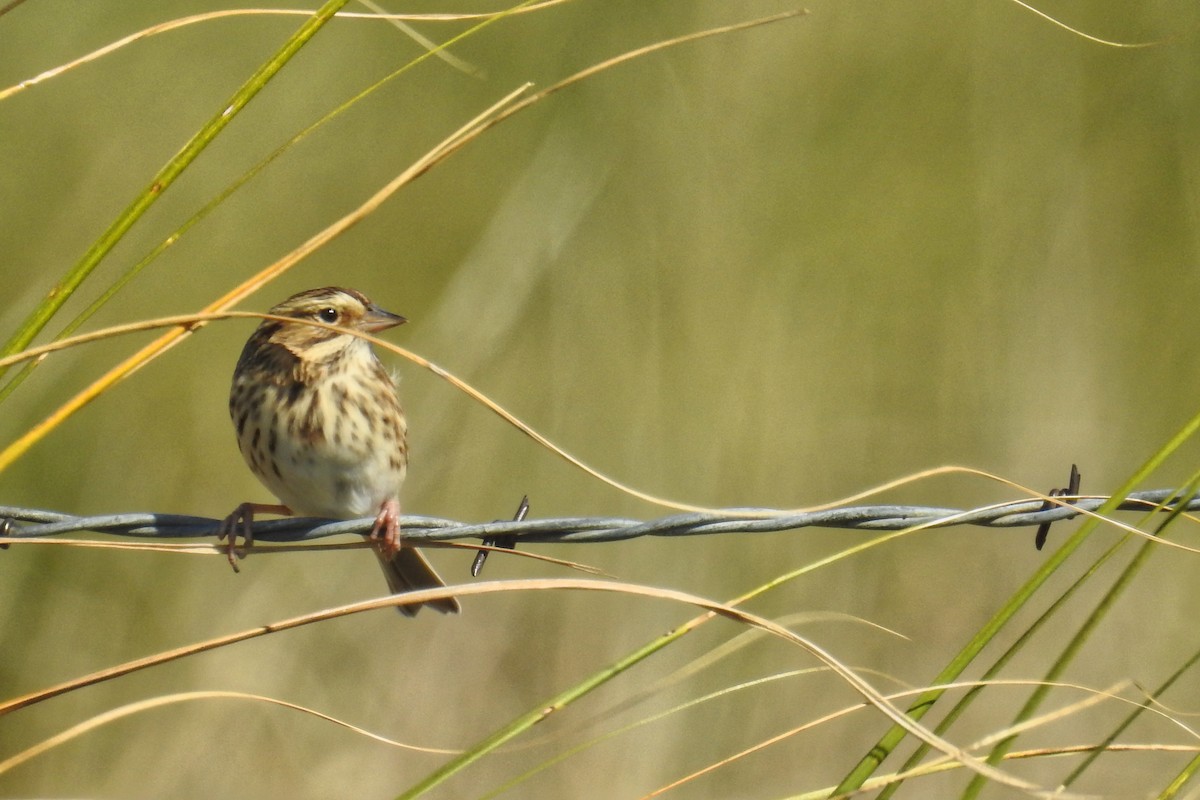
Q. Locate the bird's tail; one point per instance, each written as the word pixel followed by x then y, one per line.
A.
pixel 408 570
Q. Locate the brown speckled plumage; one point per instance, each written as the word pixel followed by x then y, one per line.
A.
pixel 319 423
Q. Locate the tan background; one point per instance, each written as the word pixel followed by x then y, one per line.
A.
pixel 768 269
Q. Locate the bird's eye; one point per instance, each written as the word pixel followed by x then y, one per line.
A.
pixel 328 315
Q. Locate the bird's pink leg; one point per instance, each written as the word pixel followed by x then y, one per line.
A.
pixel 386 529
pixel 240 522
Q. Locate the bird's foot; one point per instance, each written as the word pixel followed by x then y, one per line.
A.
pixel 386 529
pixel 241 521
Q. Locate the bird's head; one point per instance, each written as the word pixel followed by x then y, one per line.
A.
pixel 331 305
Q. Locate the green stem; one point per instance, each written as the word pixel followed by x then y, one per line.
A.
pixel 867 765
pixel 540 712
pixel 66 286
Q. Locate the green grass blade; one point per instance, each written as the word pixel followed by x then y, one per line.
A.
pixel 540 712
pixel 133 271
pixel 998 665
pixel 870 762
pixel 1130 719
pixel 1075 644
pixel 49 306
pixel 1180 780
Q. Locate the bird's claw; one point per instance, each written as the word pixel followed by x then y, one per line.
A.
pixel 241 522
pixel 386 529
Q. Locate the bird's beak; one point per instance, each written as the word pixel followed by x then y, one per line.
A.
pixel 376 319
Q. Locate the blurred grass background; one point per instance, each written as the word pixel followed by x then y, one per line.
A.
pixel 772 268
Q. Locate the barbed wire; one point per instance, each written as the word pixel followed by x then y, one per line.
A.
pixel 22 523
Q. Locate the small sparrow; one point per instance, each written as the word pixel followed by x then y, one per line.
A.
pixel 320 425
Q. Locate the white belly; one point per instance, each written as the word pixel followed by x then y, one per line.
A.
pixel 345 470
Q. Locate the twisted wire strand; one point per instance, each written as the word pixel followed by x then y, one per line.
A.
pixel 35 523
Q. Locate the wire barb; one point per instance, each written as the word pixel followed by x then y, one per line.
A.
pixel 1039 539
pixel 507 541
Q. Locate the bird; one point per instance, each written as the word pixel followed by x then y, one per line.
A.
pixel 319 423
